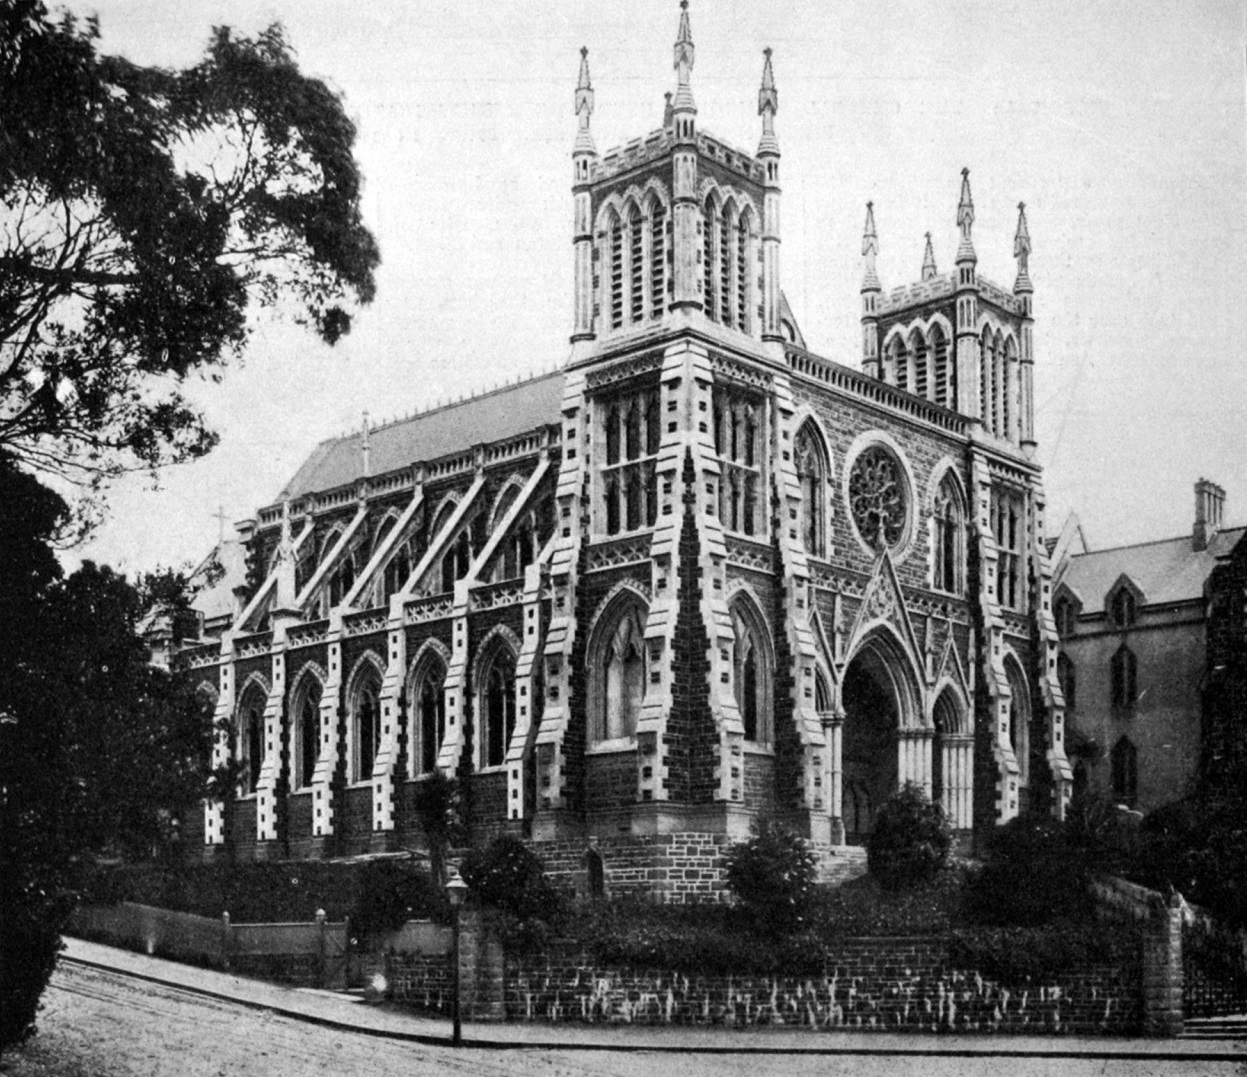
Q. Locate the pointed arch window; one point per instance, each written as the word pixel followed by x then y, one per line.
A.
pixel 944 718
pixel 306 747
pixel 1123 677
pixel 497 706
pixel 249 739
pixel 1065 615
pixel 618 674
pixel 658 258
pixel 1124 760
pixel 710 219
pixel 985 380
pixel 751 666
pixel 365 724
pixel 949 549
pixel 726 262
pixel 1019 722
pixel 919 383
pixel 810 458
pixel 943 393
pixel 397 570
pixel 1123 607
pixel 616 272
pixel 742 273
pixel 428 715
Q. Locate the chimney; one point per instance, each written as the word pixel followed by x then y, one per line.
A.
pixel 1209 502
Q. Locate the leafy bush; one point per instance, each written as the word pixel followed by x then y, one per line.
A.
pixel 508 876
pixel 910 840
pixel 28 952
pixel 389 894
pixel 772 876
pixel 1033 876
pixel 863 906
pixel 1018 954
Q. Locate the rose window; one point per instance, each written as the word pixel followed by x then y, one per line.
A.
pixel 877 498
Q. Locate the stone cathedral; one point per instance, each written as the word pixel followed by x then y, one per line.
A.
pixel 698 576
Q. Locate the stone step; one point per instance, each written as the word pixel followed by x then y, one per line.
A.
pixel 1233 1026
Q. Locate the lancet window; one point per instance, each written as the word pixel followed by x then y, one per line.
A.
pixel 617 672
pixel 810 460
pixel 751 665
pixel 427 713
pixel 636 247
pixel 305 713
pixel 365 724
pixel 1125 764
pixel 497 705
pixel 738 442
pixel 631 433
pixel 726 246
pixel 249 739
pixel 1123 677
pixel 949 546
pixel 1009 528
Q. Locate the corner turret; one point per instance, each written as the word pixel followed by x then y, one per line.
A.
pixel 968 400
pixel 768 155
pixel 870 296
pixel 1023 289
pixel 584 163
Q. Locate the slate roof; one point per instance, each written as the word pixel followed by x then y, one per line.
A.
pixel 215 598
pixel 493 416
pixel 1166 571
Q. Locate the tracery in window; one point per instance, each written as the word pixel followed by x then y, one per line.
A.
pixel 942 388
pixel 365 723
pixel 949 547
pixel 726 246
pixel 810 460
pixel 427 710
pixel 306 721
pixel 497 705
pixel 249 738
pixel 751 666
pixel 629 479
pixel 617 672
pixel 635 246
pixel 878 498
pixel 1065 616
pixel 1009 528
pixel 737 418
pixel 1019 720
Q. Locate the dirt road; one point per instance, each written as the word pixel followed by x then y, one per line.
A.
pixel 102 1024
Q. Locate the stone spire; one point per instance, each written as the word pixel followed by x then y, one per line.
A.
pixel 1021 251
pixel 584 107
pixel 929 271
pixel 870 249
pixel 965 220
pixel 684 64
pixel 768 105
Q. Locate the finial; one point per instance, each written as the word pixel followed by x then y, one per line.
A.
pixel 870 248
pixel 768 105
pixel 666 112
pixel 584 106
pixel 965 219
pixel 684 63
pixel 928 261
pixel 1021 251
pixel 364 447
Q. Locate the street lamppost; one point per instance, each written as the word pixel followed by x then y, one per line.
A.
pixel 456 894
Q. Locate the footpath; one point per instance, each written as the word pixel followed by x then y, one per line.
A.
pixel 350 1013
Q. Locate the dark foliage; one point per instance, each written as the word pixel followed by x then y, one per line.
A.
pixel 376 895
pixel 772 876
pixel 865 907
pixel 508 876
pixel 910 840
pixel 1033 875
pixel 1017 955
pixel 144 212
pixel 438 807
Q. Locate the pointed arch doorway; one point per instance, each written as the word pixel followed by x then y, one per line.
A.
pixel 879 701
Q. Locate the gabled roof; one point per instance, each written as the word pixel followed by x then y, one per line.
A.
pixel 492 416
pixel 1170 570
pixel 216 577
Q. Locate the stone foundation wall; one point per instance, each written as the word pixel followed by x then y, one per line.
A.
pixel 677 869
pixel 868 985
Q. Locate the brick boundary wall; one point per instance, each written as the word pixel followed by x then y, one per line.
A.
pixel 681 868
pixel 884 984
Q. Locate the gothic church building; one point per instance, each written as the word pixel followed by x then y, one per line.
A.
pixel 699 575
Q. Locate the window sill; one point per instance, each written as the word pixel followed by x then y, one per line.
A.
pixel 612 747
pixel 755 748
pixel 494 768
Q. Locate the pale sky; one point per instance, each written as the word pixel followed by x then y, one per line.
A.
pixel 1122 125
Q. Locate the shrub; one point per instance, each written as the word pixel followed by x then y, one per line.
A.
pixel 509 877
pixel 28 952
pixel 772 876
pixel 1016 955
pixel 863 906
pixel 910 840
pixel 390 893
pixel 1033 875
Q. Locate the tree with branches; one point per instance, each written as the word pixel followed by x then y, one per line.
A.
pixel 144 215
